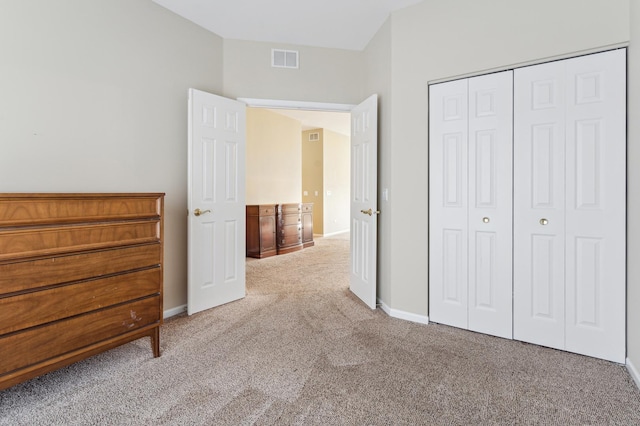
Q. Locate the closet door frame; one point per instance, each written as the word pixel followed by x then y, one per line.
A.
pixel 565 309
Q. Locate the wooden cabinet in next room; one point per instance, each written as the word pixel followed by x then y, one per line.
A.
pixel 289 228
pixel 261 231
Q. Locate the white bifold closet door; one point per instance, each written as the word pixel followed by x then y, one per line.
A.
pixel 569 204
pixel 470 203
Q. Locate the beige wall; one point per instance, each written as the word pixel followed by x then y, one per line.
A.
pixel 325 75
pixel 93 98
pixel 437 40
pixel 274 158
pixel 312 177
pixel 336 176
pixel 326 167
pixel 633 191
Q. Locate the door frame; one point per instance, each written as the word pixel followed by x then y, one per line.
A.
pixel 318 107
pixel 309 106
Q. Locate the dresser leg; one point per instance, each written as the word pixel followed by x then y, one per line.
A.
pixel 155 342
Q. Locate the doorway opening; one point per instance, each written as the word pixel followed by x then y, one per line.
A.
pixel 299 152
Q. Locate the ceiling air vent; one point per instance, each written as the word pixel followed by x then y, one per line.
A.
pixel 314 137
pixel 284 58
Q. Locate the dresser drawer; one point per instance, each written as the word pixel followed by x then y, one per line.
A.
pixel 290 239
pixel 290 220
pixel 28 275
pixel 19 350
pixel 262 210
pixel 289 208
pixel 31 309
pixel 37 209
pixel 291 230
pixel 307 207
pixel 30 242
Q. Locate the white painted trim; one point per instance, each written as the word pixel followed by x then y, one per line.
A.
pixel 407 316
pixel 345 231
pixel 533 62
pixel 635 375
pixel 174 311
pixel 307 106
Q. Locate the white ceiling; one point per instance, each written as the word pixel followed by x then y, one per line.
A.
pixel 339 122
pixel 343 24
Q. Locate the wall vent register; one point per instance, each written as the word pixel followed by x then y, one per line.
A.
pixel 284 58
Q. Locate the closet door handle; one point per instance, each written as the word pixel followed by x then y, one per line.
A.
pixel 543 221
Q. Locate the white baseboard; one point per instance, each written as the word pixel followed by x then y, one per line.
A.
pixel 174 311
pixel 335 233
pixel 635 375
pixel 407 316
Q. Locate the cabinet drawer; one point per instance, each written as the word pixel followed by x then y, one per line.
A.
pixel 29 242
pixel 287 231
pixel 290 220
pixel 290 239
pixel 32 274
pixel 35 345
pixel 262 210
pixel 30 309
pixel 289 208
pixel 18 210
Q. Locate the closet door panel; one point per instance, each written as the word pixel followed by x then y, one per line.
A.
pixel 448 205
pixel 539 198
pixel 490 203
pixel 595 205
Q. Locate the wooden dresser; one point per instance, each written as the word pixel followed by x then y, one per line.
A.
pixel 261 231
pixel 289 228
pixel 307 224
pixel 79 274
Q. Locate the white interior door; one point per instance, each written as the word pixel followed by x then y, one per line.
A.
pixel 596 205
pixel 216 201
pixel 448 205
pixel 490 220
pixel 570 187
pixel 364 200
pixel 470 203
pixel 539 200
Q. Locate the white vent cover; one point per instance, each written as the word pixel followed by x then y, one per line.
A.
pixel 314 137
pixel 284 58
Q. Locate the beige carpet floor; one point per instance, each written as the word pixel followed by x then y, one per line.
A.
pixel 300 349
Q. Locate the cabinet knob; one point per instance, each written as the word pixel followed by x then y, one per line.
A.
pixel 486 220
pixel 543 221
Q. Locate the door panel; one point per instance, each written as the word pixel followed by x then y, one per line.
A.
pixel 569 230
pixel 539 187
pixel 595 207
pixel 216 268
pixel 448 205
pixel 490 203
pixel 364 198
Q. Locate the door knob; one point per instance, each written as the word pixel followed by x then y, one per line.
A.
pixel 370 212
pixel 543 221
pixel 199 212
